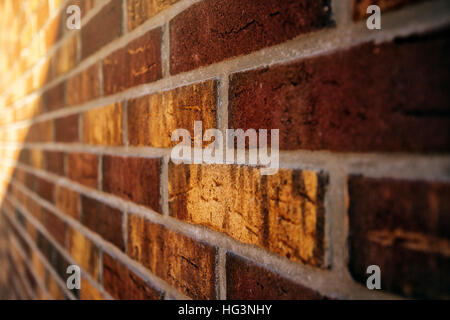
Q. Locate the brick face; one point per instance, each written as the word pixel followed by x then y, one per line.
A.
pixel 183 262
pixel 283 213
pixel 103 219
pixel 103 126
pixel 124 284
pixel 249 26
pixel 83 168
pixel 102 29
pixel 66 129
pixel 360 6
pixel 153 118
pixel 138 11
pixel 320 103
pixel 137 63
pixel 84 86
pixel 248 280
pixel 135 179
pixel 403 227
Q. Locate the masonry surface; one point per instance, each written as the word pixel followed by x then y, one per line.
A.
pixel 86 118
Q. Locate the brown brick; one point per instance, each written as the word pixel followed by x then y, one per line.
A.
pixel 137 63
pixel 54 98
pixel 138 11
pixel 135 179
pixel 40 132
pixel 103 219
pixel 54 161
pixel 36 158
pixel 360 6
pixel 183 262
pixel 103 126
pixel 84 252
pixel 54 31
pixel 44 188
pixel 84 5
pixel 83 86
pixel 66 201
pixel 153 118
pixel 325 102
pixel 124 284
pixel 103 28
pixel 83 168
pixel 66 129
pixel 403 227
pixel 89 291
pixel 55 226
pixel 211 31
pixel 283 212
pixel 65 58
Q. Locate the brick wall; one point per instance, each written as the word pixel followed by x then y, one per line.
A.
pixel 85 170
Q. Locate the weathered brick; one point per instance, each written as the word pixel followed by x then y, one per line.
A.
pixel 103 126
pixel 135 179
pixel 153 118
pixel 385 97
pixel 124 284
pixel 403 227
pixel 89 291
pixel 54 98
pixel 67 201
pixel 360 6
pixel 137 63
pixel 103 219
pixel 213 30
pixel 54 161
pixel 138 11
pixel 65 58
pixel 66 129
pixel 84 252
pixel 83 168
pixel 183 262
pixel 283 212
pixel 55 226
pixel 83 86
pixel 103 28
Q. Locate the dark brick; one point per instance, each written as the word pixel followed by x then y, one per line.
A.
pixel 135 179
pixel 137 63
pixel 402 226
pixel 55 226
pixel 83 168
pixel 247 280
pixel 103 28
pixel 213 30
pixel 66 129
pixel 44 188
pixel 54 162
pixel 102 219
pixel 124 284
pixel 386 97
pixel 54 98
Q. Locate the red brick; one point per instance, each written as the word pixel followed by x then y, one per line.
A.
pixel 83 168
pixel 84 252
pixel 83 86
pixel 137 63
pixel 213 30
pixel 103 219
pixel 247 280
pixel 385 97
pixel 135 179
pixel 67 201
pixel 124 284
pixel 403 227
pixel 44 188
pixel 360 6
pixel 55 226
pixel 103 28
pixel 54 98
pixel 183 262
pixel 138 11
pixel 54 161
pixel 66 129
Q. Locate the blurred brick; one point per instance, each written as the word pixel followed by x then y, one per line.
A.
pixel 65 58
pixel 360 6
pixel 55 226
pixel 89 291
pixel 83 86
pixel 138 11
pixel 153 118
pixel 83 168
pixel 54 162
pixel 66 129
pixel 84 252
pixel 103 126
pixel 67 201
pixel 284 213
pixel 54 98
pixel 185 263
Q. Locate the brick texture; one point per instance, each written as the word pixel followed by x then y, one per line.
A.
pixel 360 6
pixel 103 126
pixel 138 11
pixel 83 168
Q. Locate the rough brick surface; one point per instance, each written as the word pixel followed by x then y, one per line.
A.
pixel 283 213
pixel 153 118
pixel 368 98
pixel 137 63
pixel 135 179
pixel 103 219
pixel 213 30
pixel 124 284
pixel 103 126
pixel 247 280
pixel 360 6
pixel 83 168
pixel 183 262
pixel 103 28
pixel 138 11
pixel 403 227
